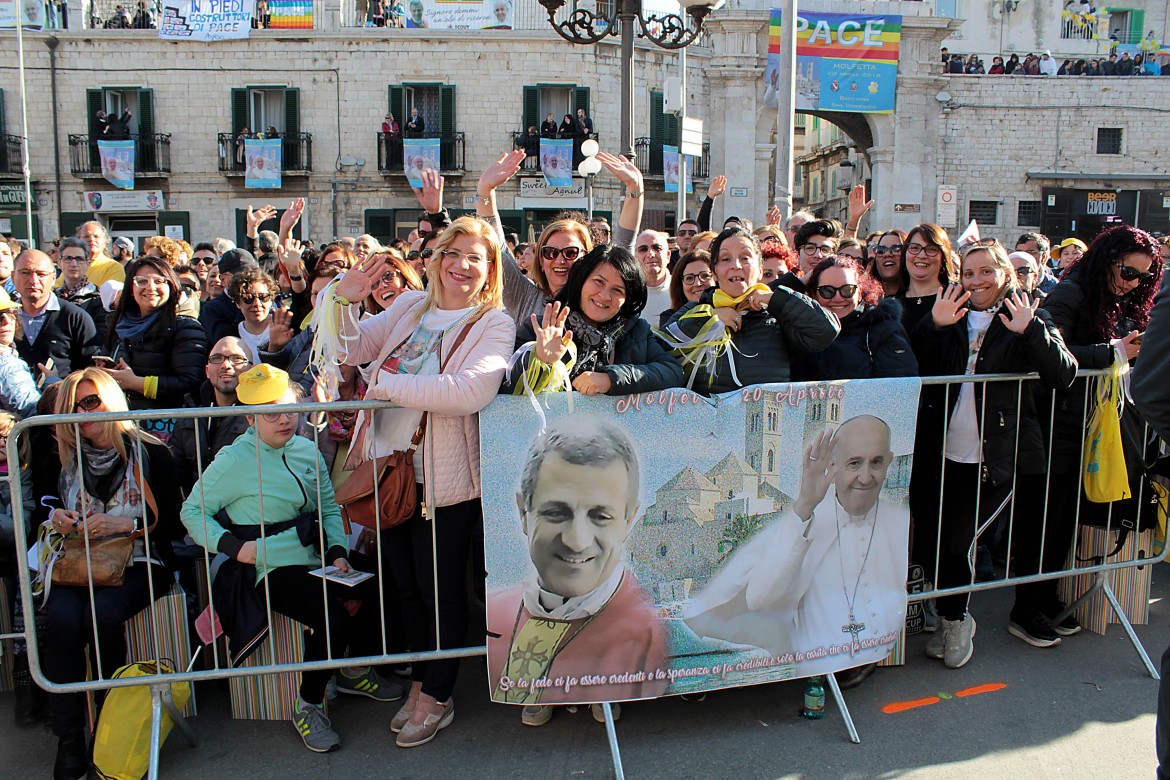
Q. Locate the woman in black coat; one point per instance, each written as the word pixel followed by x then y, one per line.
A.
pixel 872 342
pixel 155 355
pixel 594 329
pixel 984 441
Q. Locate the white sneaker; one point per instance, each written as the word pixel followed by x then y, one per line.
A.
pixel 599 712
pixel 536 714
pixel 959 647
pixel 937 646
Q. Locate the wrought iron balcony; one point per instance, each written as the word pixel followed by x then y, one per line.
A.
pixel 152 155
pixel 649 159
pixel 451 153
pixel 296 154
pixel 10 153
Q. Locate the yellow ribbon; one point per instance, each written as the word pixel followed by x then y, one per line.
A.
pixel 722 300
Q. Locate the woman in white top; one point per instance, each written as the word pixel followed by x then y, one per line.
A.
pixel 253 291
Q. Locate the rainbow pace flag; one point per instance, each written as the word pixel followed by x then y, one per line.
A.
pixel 290 14
pixel 844 62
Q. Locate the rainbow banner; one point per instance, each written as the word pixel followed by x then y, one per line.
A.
pixel 844 62
pixel 290 14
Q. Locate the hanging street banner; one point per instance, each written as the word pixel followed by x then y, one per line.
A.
pixel 418 155
pixel 117 159
pixel 206 20
pixel 666 543
pixel 556 161
pixel 32 14
pixel 290 14
pixel 844 62
pixel 670 168
pixel 263 159
pixel 459 14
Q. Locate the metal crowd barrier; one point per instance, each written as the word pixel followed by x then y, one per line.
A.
pixel 222 668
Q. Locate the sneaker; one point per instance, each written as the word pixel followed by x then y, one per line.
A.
pixel 314 727
pixel 959 647
pixel 430 716
pixel 1035 629
pixel 937 646
pixel 369 684
pixel 402 717
pixel 1067 627
pixel 929 616
pixel 536 714
pixel 599 712
pixel 402 670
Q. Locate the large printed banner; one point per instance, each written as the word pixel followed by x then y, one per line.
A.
pixel 666 543
pixel 418 155
pixel 844 62
pixel 117 159
pixel 672 163
pixel 206 20
pixel 556 161
pixel 459 14
pixel 32 14
pixel 263 158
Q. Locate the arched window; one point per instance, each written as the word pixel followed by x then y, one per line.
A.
pixel 771 461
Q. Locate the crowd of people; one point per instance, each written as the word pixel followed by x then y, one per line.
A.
pixel 1044 64
pixel 441 322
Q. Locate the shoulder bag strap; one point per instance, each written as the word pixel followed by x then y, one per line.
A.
pixel 147 497
pixel 421 430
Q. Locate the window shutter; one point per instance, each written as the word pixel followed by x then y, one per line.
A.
pixel 656 116
pixel 581 99
pixel 181 219
pixel 72 220
pixel 146 112
pixel 1137 26
pixel 239 110
pixel 146 152
pixel 94 103
pixel 291 148
pixel 397 98
pixel 532 115
pixel 446 126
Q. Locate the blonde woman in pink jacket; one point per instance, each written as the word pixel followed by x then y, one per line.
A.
pixel 407 343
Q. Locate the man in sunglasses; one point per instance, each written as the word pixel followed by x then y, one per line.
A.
pixel 226 362
pixel 684 235
pixel 203 257
pixel 220 316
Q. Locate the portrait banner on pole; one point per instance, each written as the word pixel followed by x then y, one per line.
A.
pixel 666 543
pixel 263 157
pixel 117 159
pixel 556 161
pixel 418 155
pixel 459 14
pixel 206 20
pixel 672 163
pixel 844 62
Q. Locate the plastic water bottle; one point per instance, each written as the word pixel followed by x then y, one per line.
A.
pixel 814 699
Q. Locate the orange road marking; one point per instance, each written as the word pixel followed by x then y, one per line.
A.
pixel 902 706
pixel 978 689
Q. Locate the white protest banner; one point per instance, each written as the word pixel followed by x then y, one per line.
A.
pixel 206 20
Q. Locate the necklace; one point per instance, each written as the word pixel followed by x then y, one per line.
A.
pixel 853 628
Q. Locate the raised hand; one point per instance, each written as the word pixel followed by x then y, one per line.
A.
pixel 280 330
pixel 858 206
pixel 717 186
pixel 623 168
pixel 257 217
pixel 357 283
pixel 496 174
pixel 291 216
pixel 817 471
pixel 289 255
pixel 1019 312
pixel 552 340
pixel 773 216
pixel 949 308
pixel 430 197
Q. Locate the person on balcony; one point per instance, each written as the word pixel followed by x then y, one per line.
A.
pixel 415 125
pixel 548 128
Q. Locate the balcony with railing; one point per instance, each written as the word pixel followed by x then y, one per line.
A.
pixel 649 159
pixel 10 156
pixel 451 153
pixel 296 154
pixel 152 155
pixel 531 164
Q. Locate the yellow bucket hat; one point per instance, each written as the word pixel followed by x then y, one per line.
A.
pixel 262 384
pixel 1055 253
pixel 6 303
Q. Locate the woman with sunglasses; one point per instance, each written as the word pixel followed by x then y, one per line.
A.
pixel 885 254
pixel 154 354
pixel 759 329
pixel 110 479
pixel 562 242
pixel 872 342
pixel 443 352
pixel 254 293
pixel 928 266
pixel 594 330
pixel 399 277
pixel 692 275
pixel 1102 307
pixel 982 442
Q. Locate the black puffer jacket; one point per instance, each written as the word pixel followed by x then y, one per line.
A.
pixel 764 345
pixel 1001 408
pixel 872 344
pixel 174 350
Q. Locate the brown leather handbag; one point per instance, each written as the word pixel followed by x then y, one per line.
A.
pixel 396 495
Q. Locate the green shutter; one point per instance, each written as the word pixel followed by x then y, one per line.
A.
pixel 146 112
pixel 180 218
pixel 291 148
pixel 397 97
pixel 239 110
pixel 1137 26
pixel 71 221
pixel 146 153
pixel 447 157
pixel 532 117
pixel 581 99
pixel 94 102
pixel 656 116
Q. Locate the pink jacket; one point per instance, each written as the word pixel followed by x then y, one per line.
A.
pixel 471 380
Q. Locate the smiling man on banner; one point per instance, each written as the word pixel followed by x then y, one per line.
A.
pixel 827 580
pixel 581 628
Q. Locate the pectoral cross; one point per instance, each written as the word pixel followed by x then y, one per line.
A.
pixel 854 628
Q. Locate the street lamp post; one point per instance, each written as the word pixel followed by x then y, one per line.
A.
pixel 669 31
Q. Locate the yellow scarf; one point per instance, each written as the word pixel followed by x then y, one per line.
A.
pixel 722 300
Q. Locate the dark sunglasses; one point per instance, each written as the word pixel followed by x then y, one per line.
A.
pixel 688 232
pixel 896 249
pixel 570 253
pixel 251 298
pixel 201 261
pixel 425 254
pixel 1131 274
pixel 827 291
pixel 89 402
pixel 389 277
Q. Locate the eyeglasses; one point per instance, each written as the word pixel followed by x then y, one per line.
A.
pixel 88 403
pixel 688 233
pixel 1131 274
pixel 28 272
pixel 817 249
pixel 235 360
pixel 648 247
pixel 923 249
pixel 278 417
pixel 827 291
pixel 415 255
pixel 142 282
pixel 251 298
pixel 570 253
pixel 390 277
pixel 201 261
pixel 896 249
pixel 1024 273
pixel 74 258
pixel 455 254
pixel 704 277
